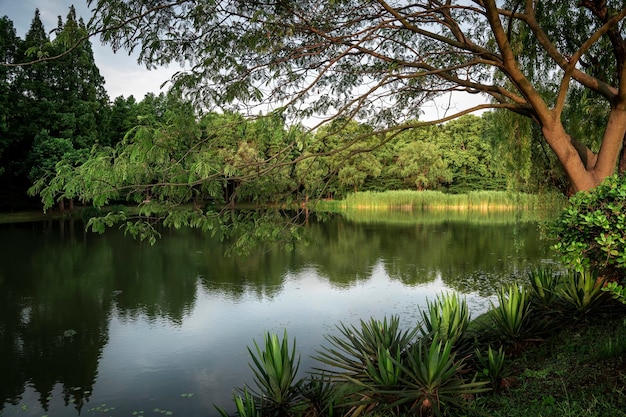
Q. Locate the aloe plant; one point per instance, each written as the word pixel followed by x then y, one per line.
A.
pixel 511 317
pixel 352 351
pixel 543 283
pixel 582 290
pixel 446 318
pixel 433 378
pixel 493 365
pixel 275 371
pixel 245 406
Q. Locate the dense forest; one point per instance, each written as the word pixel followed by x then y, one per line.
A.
pixel 57 113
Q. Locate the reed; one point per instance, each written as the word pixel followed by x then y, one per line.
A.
pixel 432 200
pixel 435 217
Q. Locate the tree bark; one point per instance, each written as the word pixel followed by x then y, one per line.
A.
pixel 561 143
pixel 622 160
pixel 611 143
pixel 584 169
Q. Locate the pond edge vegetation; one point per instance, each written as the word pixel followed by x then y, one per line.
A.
pixel 438 200
pixel 571 321
pixel 447 364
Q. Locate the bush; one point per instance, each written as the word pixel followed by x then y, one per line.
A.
pixel 591 231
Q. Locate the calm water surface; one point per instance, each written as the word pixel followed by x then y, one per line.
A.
pixel 107 326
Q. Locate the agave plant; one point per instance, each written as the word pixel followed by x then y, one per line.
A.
pixel 320 394
pixel 446 318
pixel 511 317
pixel 493 365
pixel 582 290
pixel 275 370
pixel 245 406
pixel 367 360
pixel 433 379
pixel 352 351
pixel 544 283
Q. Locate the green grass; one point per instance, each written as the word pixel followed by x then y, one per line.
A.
pixel 569 374
pixel 475 200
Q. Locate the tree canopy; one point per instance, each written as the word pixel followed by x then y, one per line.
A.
pixel 358 74
pixel 380 61
pixel 51 109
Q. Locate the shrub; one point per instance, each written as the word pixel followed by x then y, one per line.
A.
pixel 591 231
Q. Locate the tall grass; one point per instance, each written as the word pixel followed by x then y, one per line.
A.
pixel 438 216
pixel 475 200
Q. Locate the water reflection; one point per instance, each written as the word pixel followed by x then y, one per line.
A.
pixel 89 322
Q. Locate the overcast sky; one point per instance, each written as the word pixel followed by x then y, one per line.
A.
pixel 124 76
pixel 121 72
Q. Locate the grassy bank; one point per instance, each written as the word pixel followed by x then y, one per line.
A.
pixel 475 200
pixel 579 370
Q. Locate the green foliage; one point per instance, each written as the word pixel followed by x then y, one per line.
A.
pixel 512 316
pixel 446 318
pixel 544 283
pixel 350 353
pixel 615 345
pixel 617 291
pixel 365 71
pixel 421 165
pixel 320 394
pixel 475 200
pixel 432 379
pixel 275 371
pixel 582 291
pixel 61 110
pixel 493 365
pixel 245 406
pixel 591 231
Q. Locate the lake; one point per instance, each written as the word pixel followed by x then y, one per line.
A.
pixel 103 325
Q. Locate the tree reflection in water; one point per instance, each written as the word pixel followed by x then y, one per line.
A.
pixel 61 290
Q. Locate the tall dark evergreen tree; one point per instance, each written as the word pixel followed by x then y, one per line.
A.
pixel 9 42
pixel 59 107
pixel 29 111
pixel 79 88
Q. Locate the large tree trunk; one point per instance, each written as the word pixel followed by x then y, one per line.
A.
pixel 584 169
pixel 621 168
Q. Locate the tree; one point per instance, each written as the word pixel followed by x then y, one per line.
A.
pixel 9 43
pixel 81 102
pixel 468 151
pixel 62 101
pixel 30 108
pixel 379 61
pixel 374 62
pixel 422 165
